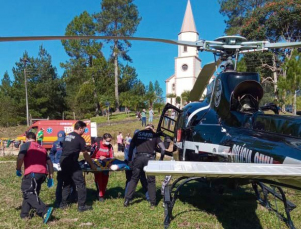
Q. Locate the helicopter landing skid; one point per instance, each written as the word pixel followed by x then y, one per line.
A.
pixel 171 194
pixel 264 191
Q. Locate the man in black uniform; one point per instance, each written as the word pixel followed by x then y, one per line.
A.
pixel 72 146
pixel 145 142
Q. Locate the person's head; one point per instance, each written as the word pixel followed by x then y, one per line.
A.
pixel 42 129
pixel 128 134
pixel 30 136
pixel 143 110
pixel 150 127
pixel 61 135
pixel 107 138
pixel 120 132
pixel 79 127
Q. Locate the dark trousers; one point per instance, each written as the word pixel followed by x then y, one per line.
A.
pixel 120 147
pixel 59 190
pixel 143 181
pixel 31 186
pixel 72 172
pixel 40 142
pixel 138 164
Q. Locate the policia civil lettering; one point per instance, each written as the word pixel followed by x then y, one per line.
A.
pixel 145 142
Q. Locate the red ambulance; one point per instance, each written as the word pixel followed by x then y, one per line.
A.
pixel 52 127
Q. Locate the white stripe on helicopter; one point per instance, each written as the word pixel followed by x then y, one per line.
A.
pixel 237 153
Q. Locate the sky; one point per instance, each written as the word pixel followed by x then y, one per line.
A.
pixel 160 19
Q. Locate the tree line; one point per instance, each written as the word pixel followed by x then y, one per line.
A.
pixel 275 21
pixel 90 82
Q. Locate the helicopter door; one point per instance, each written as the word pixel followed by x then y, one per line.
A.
pixel 168 120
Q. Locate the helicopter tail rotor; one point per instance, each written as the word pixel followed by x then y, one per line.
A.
pixel 202 80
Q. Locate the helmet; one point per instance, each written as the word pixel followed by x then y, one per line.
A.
pixel 61 135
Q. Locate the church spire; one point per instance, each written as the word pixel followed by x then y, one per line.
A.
pixel 188 22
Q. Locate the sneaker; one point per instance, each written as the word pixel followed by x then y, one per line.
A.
pixel 126 203
pixel 84 208
pixel 101 199
pixel 47 215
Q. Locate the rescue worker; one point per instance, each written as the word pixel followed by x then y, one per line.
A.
pixel 35 159
pixel 103 151
pixel 40 136
pixel 128 173
pixel 72 146
pixel 55 156
pixel 145 142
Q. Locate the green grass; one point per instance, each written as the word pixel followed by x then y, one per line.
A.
pixel 198 207
pixel 114 117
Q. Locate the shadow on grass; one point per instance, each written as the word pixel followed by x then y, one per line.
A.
pixel 233 209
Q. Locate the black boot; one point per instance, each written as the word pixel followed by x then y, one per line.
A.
pixel 84 208
pixel 126 203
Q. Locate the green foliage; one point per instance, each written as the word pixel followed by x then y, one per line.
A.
pixel 185 96
pixel 118 18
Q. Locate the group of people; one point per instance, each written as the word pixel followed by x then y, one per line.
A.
pixel 38 167
pixel 142 116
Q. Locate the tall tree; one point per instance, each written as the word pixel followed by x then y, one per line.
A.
pixel 273 20
pixel 84 55
pixel 118 18
pixel 8 115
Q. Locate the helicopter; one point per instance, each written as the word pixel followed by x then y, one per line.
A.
pixel 228 126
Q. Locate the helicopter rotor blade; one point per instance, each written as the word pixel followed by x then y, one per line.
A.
pixel 43 38
pixel 202 80
pixel 283 45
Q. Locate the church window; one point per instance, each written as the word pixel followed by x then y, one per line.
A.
pixel 184 67
pixel 173 87
pixel 185 48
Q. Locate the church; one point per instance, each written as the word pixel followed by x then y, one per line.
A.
pixel 187 64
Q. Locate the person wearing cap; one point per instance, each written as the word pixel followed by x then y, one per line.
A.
pixel 40 136
pixel 145 142
pixel 143 117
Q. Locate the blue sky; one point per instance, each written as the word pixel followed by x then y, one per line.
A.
pixel 160 19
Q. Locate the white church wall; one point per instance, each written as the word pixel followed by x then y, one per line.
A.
pixel 191 51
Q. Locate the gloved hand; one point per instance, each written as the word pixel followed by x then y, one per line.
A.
pixel 18 173
pixel 50 183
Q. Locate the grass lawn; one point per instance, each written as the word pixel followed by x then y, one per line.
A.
pixel 198 207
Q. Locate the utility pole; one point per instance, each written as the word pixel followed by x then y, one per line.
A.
pixel 26 96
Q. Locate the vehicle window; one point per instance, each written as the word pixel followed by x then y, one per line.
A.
pixel 34 129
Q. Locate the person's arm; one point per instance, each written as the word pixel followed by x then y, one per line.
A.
pixel 111 152
pixel 50 168
pixel 20 161
pixel 89 160
pixel 162 147
pixel 21 155
pixel 52 152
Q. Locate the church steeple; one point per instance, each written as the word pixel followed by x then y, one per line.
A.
pixel 188 22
